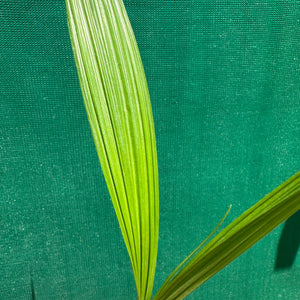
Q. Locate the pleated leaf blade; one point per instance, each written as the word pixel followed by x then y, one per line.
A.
pixel 234 240
pixel 118 106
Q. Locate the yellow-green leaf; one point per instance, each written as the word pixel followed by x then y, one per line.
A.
pixel 118 106
pixel 234 240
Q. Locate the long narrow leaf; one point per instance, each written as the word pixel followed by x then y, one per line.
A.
pixel 235 239
pixel 118 107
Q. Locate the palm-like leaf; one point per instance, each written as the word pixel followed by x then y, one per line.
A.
pixel 118 106
pixel 234 240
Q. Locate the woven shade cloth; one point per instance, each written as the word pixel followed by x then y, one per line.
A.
pixel 224 79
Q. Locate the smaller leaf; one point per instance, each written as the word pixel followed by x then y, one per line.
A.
pixel 234 240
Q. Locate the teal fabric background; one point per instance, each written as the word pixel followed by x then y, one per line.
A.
pixel 224 79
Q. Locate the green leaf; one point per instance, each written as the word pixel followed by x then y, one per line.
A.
pixel 118 106
pixel 234 240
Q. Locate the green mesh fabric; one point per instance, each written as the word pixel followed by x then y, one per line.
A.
pixel 224 82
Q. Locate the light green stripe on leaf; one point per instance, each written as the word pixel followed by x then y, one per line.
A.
pixel 117 101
